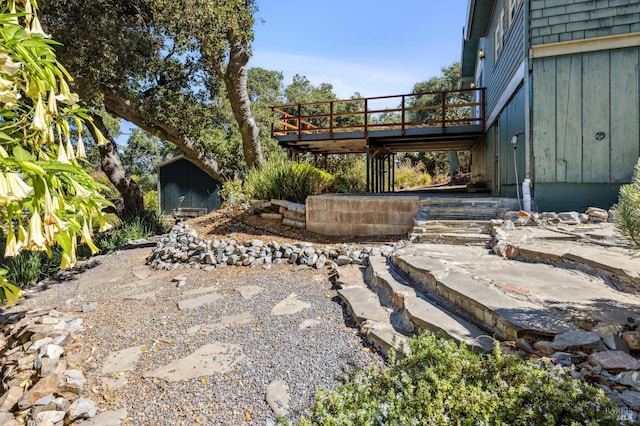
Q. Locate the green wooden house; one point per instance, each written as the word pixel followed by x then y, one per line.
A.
pixel 563 83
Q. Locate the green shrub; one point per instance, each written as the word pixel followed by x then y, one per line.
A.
pixel 443 383
pixel 283 179
pixel 151 200
pixel 627 211
pixel 351 174
pixel 409 175
pixel 232 192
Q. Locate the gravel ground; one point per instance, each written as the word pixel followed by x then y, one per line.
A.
pixel 273 346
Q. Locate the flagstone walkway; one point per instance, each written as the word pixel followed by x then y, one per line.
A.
pixel 231 346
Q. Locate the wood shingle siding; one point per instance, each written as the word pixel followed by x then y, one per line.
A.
pixel 554 21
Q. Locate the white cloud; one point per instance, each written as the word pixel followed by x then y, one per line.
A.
pixel 346 77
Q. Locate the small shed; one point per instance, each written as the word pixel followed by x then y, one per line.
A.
pixel 184 188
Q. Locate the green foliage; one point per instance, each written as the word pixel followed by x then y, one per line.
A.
pixel 47 198
pixel 30 267
pixel 442 383
pixel 408 175
pixel 283 179
pixel 350 172
pixel 232 192
pixel 627 211
pixel 133 226
pixel 151 201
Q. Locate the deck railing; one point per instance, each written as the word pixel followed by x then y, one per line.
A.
pixel 432 109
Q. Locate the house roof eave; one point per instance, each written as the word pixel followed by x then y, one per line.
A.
pixel 479 18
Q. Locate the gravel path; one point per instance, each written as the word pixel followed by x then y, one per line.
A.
pixel 138 307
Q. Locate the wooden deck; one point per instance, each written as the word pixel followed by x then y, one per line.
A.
pixel 434 121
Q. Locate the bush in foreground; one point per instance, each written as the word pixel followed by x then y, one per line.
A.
pixel 627 211
pixel 442 383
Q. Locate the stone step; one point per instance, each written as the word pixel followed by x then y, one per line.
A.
pixel 506 313
pixel 452 238
pixel 414 312
pixel 365 309
pixel 363 305
pixel 506 203
pixel 462 213
pixel 479 226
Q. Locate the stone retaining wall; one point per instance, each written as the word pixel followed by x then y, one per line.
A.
pixel 361 215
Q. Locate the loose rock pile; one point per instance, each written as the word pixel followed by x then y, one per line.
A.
pixel 605 356
pixel 564 221
pixel 182 247
pixel 42 384
pixel 591 215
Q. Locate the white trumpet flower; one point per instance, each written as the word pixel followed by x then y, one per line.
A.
pixel 80 153
pixel 52 105
pixel 36 28
pixel 82 193
pixel 39 122
pixel 17 187
pixel 11 246
pixel 36 240
pixel 62 154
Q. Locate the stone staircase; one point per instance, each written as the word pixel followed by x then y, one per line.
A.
pixel 389 309
pixel 458 220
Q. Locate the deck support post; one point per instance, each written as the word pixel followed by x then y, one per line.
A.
pixel 368 168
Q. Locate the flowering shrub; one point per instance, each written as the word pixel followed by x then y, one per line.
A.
pixel 46 196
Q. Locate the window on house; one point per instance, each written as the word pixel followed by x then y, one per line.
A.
pixel 498 37
pixel 512 9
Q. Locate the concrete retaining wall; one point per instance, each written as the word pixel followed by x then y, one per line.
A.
pixel 361 215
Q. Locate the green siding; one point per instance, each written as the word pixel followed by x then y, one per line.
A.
pixel 182 178
pixel 543 120
pixel 625 102
pixel 511 120
pixel 595 117
pixel 574 196
pixel 497 72
pixel 568 117
pixel 575 98
pixel 567 20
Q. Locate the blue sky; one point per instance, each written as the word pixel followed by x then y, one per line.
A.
pixel 375 47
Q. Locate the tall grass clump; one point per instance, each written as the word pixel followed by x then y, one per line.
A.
pixel 132 226
pixel 443 383
pixel 283 179
pixel 627 211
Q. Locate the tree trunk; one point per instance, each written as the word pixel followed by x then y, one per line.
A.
pixel 112 167
pixel 119 105
pixel 235 80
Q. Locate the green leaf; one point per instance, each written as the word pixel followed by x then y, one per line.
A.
pixel 22 154
pixel 6 137
pixel 11 292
